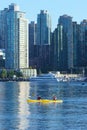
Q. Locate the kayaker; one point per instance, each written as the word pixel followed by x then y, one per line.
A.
pixel 38 98
pixel 54 98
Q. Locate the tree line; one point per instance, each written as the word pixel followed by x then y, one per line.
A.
pixel 10 74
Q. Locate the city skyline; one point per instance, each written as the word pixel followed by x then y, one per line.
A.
pixel 67 40
pixel 76 9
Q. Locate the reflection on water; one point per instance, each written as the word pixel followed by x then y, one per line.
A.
pixel 13 105
pixel 17 114
pixel 23 106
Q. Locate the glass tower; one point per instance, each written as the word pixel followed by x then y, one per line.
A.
pixel 43 28
pixel 32 38
pixel 66 22
pixel 83 44
pixel 16 40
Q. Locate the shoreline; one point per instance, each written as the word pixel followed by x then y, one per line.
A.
pixel 19 79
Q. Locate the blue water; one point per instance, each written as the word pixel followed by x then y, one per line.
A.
pixel 17 114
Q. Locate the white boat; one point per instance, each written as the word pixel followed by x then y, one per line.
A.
pixel 42 77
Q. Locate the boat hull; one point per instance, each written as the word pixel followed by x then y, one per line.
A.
pixel 44 101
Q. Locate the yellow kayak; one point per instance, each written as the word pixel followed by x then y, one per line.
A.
pixel 44 101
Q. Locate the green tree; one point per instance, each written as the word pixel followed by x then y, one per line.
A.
pixel 19 74
pixel 10 73
pixel 4 73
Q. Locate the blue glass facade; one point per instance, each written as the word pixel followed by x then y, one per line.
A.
pixel 43 28
pixel 66 22
pixel 10 46
pixel 16 38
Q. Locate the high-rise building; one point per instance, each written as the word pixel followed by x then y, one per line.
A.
pixel 32 44
pixel 76 44
pixel 15 37
pixel 66 22
pixel 3 29
pixel 58 50
pixel 42 47
pixel 83 44
pixel 43 28
pixel 32 38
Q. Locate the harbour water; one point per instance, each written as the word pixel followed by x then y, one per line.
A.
pixel 17 114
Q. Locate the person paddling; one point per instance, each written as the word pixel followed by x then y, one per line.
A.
pixel 54 98
pixel 38 98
